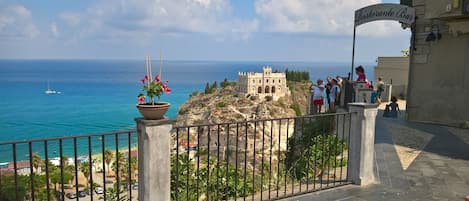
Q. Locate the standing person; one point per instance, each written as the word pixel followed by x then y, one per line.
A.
pixel 335 91
pixel 360 71
pixel 379 90
pixel 318 99
pixel 328 92
pixel 339 81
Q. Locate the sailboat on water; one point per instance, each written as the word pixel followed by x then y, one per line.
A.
pixel 51 91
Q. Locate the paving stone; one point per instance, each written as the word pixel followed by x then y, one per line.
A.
pixel 440 172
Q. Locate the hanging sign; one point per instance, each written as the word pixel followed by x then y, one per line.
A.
pixel 385 11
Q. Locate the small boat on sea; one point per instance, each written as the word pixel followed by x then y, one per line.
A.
pixel 51 91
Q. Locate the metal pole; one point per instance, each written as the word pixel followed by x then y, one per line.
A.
pixel 353 51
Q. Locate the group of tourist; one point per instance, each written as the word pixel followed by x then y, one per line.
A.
pixel 325 94
pixel 328 94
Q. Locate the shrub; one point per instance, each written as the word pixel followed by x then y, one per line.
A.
pixel 268 98
pixel 317 148
pixel 282 102
pixel 295 106
pixel 253 98
pixel 194 93
pixel 183 111
pixel 221 104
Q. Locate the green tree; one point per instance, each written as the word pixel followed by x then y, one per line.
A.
pixel 8 189
pixel 112 194
pixel 406 52
pixel 37 162
pixel 207 88
pixel 316 149
pixel 133 168
pixel 55 177
pixel 108 155
pixel 85 169
pixel 225 83
pixel 214 87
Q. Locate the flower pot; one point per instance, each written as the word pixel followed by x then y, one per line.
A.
pixel 153 112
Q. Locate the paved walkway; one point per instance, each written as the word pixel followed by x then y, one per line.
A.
pixel 438 171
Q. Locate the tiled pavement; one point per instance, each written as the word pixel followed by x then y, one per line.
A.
pixel 440 172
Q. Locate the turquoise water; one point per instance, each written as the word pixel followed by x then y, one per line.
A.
pixel 100 95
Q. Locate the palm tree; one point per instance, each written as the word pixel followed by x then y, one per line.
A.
pixel 85 169
pixel 119 160
pixel 108 154
pixel 36 161
pixel 111 194
pixel 133 167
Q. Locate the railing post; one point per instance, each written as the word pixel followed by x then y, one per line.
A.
pixel 154 163
pixel 362 143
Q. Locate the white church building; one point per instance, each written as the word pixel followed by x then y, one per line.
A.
pixel 263 84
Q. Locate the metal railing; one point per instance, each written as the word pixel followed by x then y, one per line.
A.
pixel 260 159
pixel 54 168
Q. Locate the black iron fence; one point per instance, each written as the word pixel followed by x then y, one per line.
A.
pixel 250 160
pixel 87 167
pixel 260 159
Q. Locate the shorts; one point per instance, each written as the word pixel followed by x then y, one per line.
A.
pixel 318 102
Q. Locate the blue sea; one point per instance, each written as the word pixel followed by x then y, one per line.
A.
pixel 100 95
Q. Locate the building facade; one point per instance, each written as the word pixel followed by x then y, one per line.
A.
pixel 395 71
pixel 438 90
pixel 263 84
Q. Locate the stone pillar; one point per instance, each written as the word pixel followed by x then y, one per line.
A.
pixel 154 163
pixel 362 143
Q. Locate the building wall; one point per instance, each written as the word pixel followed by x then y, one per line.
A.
pixel 439 70
pixel 263 84
pixel 393 70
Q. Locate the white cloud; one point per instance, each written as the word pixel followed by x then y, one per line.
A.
pixel 16 22
pixel 70 18
pixel 331 17
pixel 54 30
pixel 141 19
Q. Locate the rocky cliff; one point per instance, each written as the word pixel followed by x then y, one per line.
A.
pixel 226 106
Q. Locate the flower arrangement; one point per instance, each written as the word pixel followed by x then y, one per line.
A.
pixel 152 87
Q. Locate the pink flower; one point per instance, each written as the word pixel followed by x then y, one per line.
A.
pixel 146 77
pixel 143 81
pixel 157 78
pixel 167 90
pixel 141 100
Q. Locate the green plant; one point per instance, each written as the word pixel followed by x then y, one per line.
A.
pixel 221 104
pixel 153 88
pixel 85 169
pixel 194 93
pixel 268 98
pixel 296 107
pixel 115 194
pixel 281 102
pixel 108 154
pixel 296 76
pixel 315 150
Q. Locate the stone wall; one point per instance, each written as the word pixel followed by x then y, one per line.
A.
pixel 395 71
pixel 439 70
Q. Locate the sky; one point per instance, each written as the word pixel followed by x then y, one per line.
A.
pixel 230 30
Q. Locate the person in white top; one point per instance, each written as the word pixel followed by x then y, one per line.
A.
pixel 318 98
pixel 335 91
